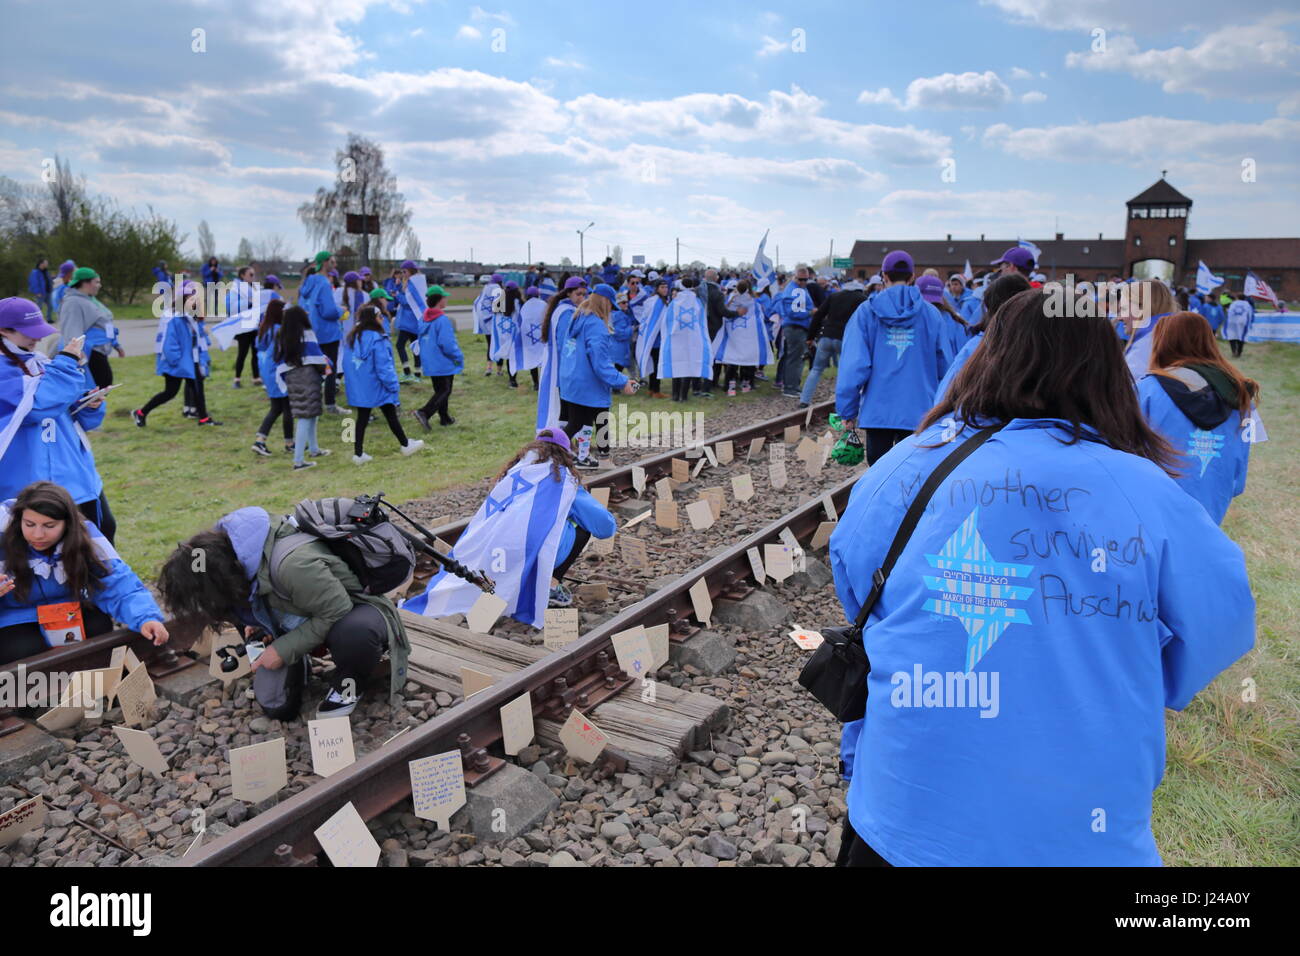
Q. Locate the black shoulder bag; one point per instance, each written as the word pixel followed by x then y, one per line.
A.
pixel 836 674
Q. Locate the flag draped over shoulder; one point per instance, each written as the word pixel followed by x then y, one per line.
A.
pixel 246 306
pixel 18 397
pixel 743 340
pixel 505 330
pixel 311 355
pixel 483 308
pixel 532 350
pixel 513 539
pixel 764 272
pixel 548 386
pixel 686 351
pixel 651 320
pixel 1206 280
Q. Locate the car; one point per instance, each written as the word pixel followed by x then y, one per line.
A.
pixel 456 278
pixel 485 278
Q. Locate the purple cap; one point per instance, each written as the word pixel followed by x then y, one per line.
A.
pixel 408 264
pixel 1018 256
pixel 512 285
pixel 555 436
pixel 532 292
pixel 271 279
pixel 24 315
pixel 365 271
pixel 67 267
pixel 898 261
pixel 574 282
pixel 607 291
pixel 931 288
pixel 334 273
pixel 351 276
pixel 498 277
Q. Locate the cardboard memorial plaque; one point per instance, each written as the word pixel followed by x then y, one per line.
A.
pixel 822 536
pixel 21 818
pixel 258 771
pixel 118 661
pixel 130 662
pixel 136 695
pixel 517 729
pixel 581 738
pixel 591 593
pixel 702 601
pixel 807 419
pixel 701 514
pixel 603 546
pixel 699 467
pixel 755 446
pixel 666 515
pixel 664 489
pixel 194 846
pixel 756 565
pixel 815 463
pixel 635 552
pixel 331 745
pixel 726 452
pixel 710 454
pixel 776 452
pixel 658 638
pixel 692 452
pixel 742 487
pixel 560 627
pixel 829 505
pixel 84 689
pixel 601 494
pixel 202 647
pixel 638 479
pixel 143 749
pixel 808 640
pixel 487 608
pixel 230 639
pixel 633 651
pixel 681 470
pixel 472 681
pixel 792 433
pixel 438 786
pixel 777 561
pixel 825 455
pixel 61 717
pixel 717 498
pixel 439 521
pixel 787 536
pixel 806 449
pixel 776 475
pixel 346 840
pixel 633 522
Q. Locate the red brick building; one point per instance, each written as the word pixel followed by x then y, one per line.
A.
pixel 1155 244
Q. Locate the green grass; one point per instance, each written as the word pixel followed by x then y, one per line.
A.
pixel 1231 794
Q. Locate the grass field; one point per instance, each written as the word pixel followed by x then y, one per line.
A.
pixel 142 308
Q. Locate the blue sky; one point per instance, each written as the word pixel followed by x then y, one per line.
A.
pixel 516 123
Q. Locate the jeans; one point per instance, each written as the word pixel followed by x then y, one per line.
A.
pixel 304 438
pixel 828 353
pixel 796 339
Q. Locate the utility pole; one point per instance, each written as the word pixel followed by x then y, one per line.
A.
pixel 831 264
pixel 679 254
pixel 530 255
pixel 582 260
pixel 778 257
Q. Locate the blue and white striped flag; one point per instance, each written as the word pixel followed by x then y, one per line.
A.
pixel 513 539
pixel 686 351
pixel 417 289
pixel 1206 280
pixel 764 272
pixel 548 386
pixel 311 355
pixel 1033 250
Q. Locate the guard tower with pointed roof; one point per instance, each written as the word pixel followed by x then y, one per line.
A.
pixel 1155 236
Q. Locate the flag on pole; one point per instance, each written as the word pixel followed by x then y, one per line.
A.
pixel 967 274
pixel 1257 288
pixel 1033 250
pixel 764 271
pixel 1206 280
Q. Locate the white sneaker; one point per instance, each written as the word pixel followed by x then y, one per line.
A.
pixel 361 459
pixel 411 446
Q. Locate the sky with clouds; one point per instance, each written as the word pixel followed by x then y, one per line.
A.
pixel 517 123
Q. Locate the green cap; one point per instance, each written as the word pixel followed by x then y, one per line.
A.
pixel 378 292
pixel 322 256
pixel 82 274
pixel 436 290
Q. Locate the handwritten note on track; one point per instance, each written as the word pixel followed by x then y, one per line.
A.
pixel 258 771
pixel 702 601
pixel 638 479
pixel 726 452
pixel 346 841
pixel 143 749
pixel 136 694
pixel 633 651
pixel 22 818
pixel 635 552
pixel 438 787
pixel 755 446
pixel 742 487
pixel 581 738
pixel 701 514
pixel 658 638
pixel 560 626
pixel 331 745
pixel 517 729
pixel 487 608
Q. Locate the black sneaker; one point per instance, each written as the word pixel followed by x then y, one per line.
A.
pixel 138 417
pixel 299 465
pixel 236 384
pixel 336 704
pixel 803 404
pixel 209 421
pixel 261 449
pixel 447 421
pixel 422 418
pixel 587 464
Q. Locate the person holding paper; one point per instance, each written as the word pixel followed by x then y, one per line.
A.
pixel 45 414
pixel 587 375
pixel 60 578
pixel 1058 583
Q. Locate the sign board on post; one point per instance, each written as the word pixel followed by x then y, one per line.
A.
pixel 360 224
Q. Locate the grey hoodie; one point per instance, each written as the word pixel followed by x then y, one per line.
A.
pixel 80 313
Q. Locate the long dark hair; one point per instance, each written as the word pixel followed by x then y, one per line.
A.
pixel 554 303
pixel 81 563
pixel 1032 364
pixel 998 292
pixel 546 451
pixel 210 596
pixel 289 340
pixel 12 356
pixel 367 320
pixel 1186 339
pixel 272 317
pixel 514 299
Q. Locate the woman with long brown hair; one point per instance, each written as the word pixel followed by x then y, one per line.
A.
pixel 1204 406
pixel 61 580
pixel 1057 582
pixel 588 375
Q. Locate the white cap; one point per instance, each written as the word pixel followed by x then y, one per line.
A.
pixel 638 273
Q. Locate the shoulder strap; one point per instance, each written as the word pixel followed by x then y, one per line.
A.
pixel 913 516
pixel 281 550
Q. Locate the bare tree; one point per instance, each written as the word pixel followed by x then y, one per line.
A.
pixel 362 185
pixel 67 192
pixel 244 255
pixel 272 248
pixel 413 247
pixel 207 242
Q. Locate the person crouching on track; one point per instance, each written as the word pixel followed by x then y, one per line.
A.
pixel 312 600
pixel 62 580
pixel 371 381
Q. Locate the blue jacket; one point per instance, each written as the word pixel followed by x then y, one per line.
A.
pixel 797 314
pixel 1214 314
pixel 972 308
pixel 957 363
pixel 211 273
pixel 56 297
pixel 161 276
pixel 962 302
pixel 121 596
pixel 38 283
pixel 440 353
pixel 1075 593
pixel 408 320
pixel 894 354
pixel 265 345
pixel 587 373
pixel 46 445
pixel 1205 428
pixel 371 378
pixel 624 326
pixel 316 295
pixel 179 344
pixel 585 512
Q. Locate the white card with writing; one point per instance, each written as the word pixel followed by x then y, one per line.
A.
pixel 258 771
pixel 664 489
pixel 776 474
pixel 699 466
pixel 485 612
pixel 633 522
pixel 808 640
pixel 438 786
pixel 143 749
pixel 517 729
pixel 777 561
pixel 742 487
pixel 787 536
pixel 136 694
pixel 22 818
pixel 603 546
pixel 701 514
pixel 635 552
pixel 756 565
pixel 829 505
pixel 702 601
pixel 581 738
pixel 560 626
pixel 755 446
pixel 331 745
pixel 711 455
pixel 638 479
pixel 345 839
pixel 726 452
pixel 633 651
pixel 822 536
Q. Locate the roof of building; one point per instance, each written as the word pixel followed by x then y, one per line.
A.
pixel 1159 193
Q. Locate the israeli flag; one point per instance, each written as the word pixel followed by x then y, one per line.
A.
pixel 651 321
pixel 547 287
pixel 743 340
pixel 1033 250
pixel 764 272
pixel 967 274
pixel 18 395
pixel 532 350
pixel 311 355
pixel 686 351
pixel 417 288
pixel 514 539
pixel 1206 280
pixel 548 385
pixel 483 307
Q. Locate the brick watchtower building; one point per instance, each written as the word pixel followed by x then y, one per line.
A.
pixel 1155 236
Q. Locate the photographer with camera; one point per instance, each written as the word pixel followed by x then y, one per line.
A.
pixel 289 581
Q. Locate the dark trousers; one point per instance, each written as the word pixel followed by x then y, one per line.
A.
pixel 740 373
pixel 246 341
pixel 18 641
pixel 100 369
pixel 579 416
pixel 580 538
pixel 172 385
pixel 363 419
pixel 356 643
pixel 880 440
pixel 1236 345
pixel 533 373
pixel 402 339
pixel 441 396
pixel 652 378
pixel 331 350
pixel 795 340
pixel 854 851
pixel 279 409
pixel 99 512
pixel 682 388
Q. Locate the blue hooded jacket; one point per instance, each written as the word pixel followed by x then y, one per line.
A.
pixel 957 363
pixel 265 345
pixel 794 309
pixel 1214 314
pixel 585 512
pixel 316 295
pixel 1204 426
pixel 45 444
pixel 180 341
pixel 894 354
pixel 371 379
pixel 1068 594
pixel 440 353
pixel 587 373
pixel 407 319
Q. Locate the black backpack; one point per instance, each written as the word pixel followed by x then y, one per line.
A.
pixel 371 545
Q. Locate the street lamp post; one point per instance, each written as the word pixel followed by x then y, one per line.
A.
pixel 582 261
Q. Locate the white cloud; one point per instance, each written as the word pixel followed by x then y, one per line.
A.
pixel 1018 73
pixel 1118 15
pixel 467 32
pixel 1033 96
pixel 772 46
pixel 555 61
pixel 953 209
pixel 882 97
pixel 947 91
pixel 479 15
